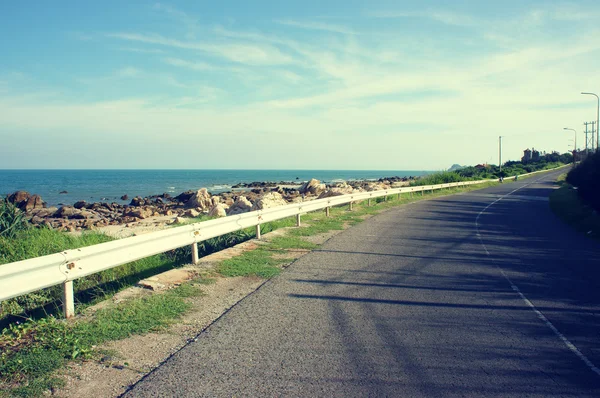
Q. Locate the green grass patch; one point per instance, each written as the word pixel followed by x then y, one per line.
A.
pixel 33 350
pixel 257 262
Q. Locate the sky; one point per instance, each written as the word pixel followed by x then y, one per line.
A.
pixel 381 85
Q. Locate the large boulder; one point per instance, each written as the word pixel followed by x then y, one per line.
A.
pixel 241 205
pixel 201 200
pixel 26 202
pixel 47 212
pixel 80 204
pixel 312 187
pixel 67 212
pixel 376 186
pixel 337 190
pixel 268 200
pixel 140 212
pixel 218 211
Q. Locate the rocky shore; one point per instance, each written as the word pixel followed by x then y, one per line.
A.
pixel 166 209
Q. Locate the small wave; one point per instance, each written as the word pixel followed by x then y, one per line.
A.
pixel 221 187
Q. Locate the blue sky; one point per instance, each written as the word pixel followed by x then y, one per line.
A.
pixel 309 85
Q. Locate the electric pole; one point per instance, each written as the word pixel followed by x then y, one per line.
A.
pixel 500 153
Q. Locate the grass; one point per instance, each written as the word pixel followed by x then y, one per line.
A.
pixel 35 242
pixel 566 203
pixel 33 350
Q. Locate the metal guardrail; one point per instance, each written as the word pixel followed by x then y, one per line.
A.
pixel 30 275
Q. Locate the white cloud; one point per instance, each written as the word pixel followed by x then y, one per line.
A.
pixel 442 16
pixel 199 66
pixel 142 50
pixel 312 25
pixel 128 71
pixel 240 53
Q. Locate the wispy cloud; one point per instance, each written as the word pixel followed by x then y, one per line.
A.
pixel 236 52
pixel 128 71
pixel 190 23
pixel 442 16
pixel 313 25
pixel 141 50
pixel 199 66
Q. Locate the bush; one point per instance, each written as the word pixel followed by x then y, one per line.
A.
pixel 586 177
pixel 11 219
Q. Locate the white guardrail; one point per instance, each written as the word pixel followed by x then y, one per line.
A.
pixel 30 275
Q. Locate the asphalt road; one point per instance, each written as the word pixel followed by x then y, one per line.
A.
pixel 465 295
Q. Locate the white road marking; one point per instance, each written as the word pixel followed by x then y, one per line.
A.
pixel 514 197
pixel 566 341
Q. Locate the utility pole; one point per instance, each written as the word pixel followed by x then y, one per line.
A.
pixel 586 137
pixel 500 153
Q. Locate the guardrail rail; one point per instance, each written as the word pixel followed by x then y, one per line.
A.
pixel 22 277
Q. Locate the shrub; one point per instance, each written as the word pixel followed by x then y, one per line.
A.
pixel 11 219
pixel 586 177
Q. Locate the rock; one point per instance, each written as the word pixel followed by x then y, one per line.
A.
pixel 337 190
pixel 63 192
pixel 375 186
pixel 191 213
pixel 218 211
pixel 179 220
pixel 18 197
pixel 241 205
pixel 137 201
pixel 268 200
pixel 184 196
pixel 26 202
pixel 34 202
pixel 139 213
pixel 124 197
pixel 80 204
pixel 84 215
pixel 201 199
pixel 67 211
pixel 47 212
pixel 313 187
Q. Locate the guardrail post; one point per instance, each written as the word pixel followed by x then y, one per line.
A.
pixel 257 231
pixel 411 194
pixel 327 211
pixel 195 253
pixel 422 192
pixel 399 196
pixel 68 300
pixel 350 206
pixel 298 219
pixel 369 202
pixel 385 198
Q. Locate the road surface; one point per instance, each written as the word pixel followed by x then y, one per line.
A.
pixel 483 294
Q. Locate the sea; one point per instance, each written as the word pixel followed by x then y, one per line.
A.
pixel 58 187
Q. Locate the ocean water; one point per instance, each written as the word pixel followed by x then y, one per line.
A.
pixel 110 185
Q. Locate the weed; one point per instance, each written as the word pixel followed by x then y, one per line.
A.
pixel 257 262
pixel 31 351
pixel 11 219
pixel 291 242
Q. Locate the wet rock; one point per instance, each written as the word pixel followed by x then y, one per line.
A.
pixel 124 197
pixel 80 204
